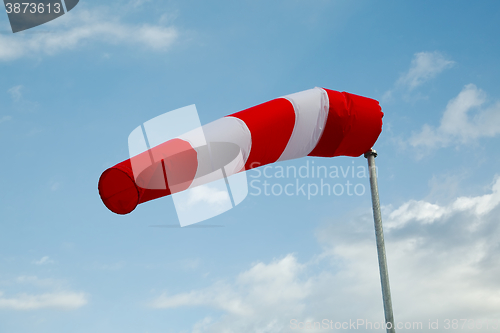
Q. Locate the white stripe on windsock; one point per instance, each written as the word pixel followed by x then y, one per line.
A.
pixel 224 130
pixel 311 111
pixel 230 129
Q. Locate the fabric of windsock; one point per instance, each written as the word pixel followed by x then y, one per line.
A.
pixel 315 122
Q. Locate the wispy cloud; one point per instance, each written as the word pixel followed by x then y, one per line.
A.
pixel 86 26
pixel 5 118
pixel 111 267
pixel 57 300
pixel 444 262
pixel 41 282
pixel 465 119
pixel 202 202
pixel 423 212
pixel 54 186
pixel 138 3
pixel 424 66
pixel 15 93
pixel 44 261
pixel 190 264
pixel 42 293
pixel 272 284
pixel 207 194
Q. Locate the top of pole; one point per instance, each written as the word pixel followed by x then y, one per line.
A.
pixel 371 152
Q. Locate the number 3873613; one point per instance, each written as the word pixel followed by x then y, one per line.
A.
pixel 33 8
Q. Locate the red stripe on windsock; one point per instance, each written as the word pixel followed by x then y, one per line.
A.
pixel 352 126
pixel 271 125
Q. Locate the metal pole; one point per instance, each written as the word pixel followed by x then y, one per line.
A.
pixel 379 235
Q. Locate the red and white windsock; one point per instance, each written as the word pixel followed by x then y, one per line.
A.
pixel 315 122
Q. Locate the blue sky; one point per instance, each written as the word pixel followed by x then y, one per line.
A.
pixel 72 90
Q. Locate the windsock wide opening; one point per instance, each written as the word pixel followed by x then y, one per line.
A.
pixel 118 191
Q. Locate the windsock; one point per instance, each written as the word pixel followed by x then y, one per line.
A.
pixel 316 122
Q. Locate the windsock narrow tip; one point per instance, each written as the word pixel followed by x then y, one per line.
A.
pixel 118 191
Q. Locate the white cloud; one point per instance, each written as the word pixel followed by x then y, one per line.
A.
pixel 44 261
pixel 138 3
pixel 15 93
pixel 202 325
pixel 218 296
pixel 54 186
pixel 42 293
pixel 57 300
pixel 111 267
pixel 41 283
pixel 254 292
pixel 464 120
pixel 426 213
pixel 5 118
pixel 76 28
pixel 424 66
pixel 207 194
pixel 190 264
pixel 20 103
pixel 444 262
